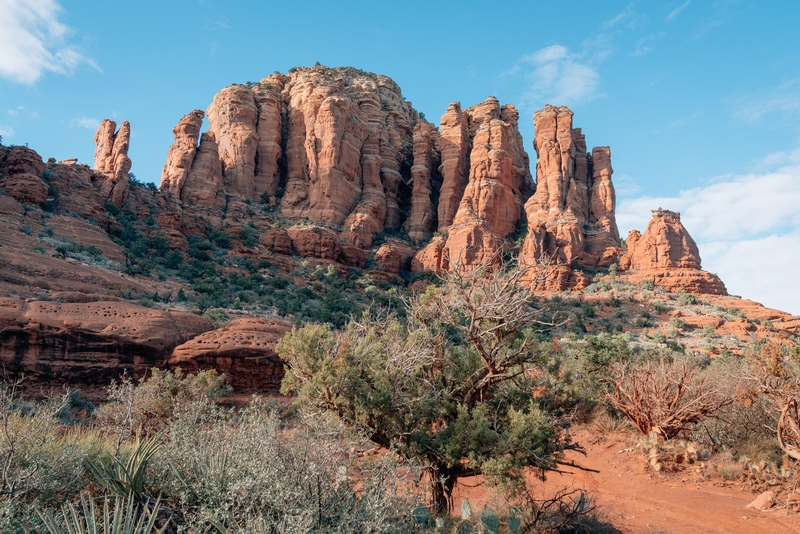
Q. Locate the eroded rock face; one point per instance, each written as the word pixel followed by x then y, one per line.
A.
pixel 421 222
pixel 497 184
pixel 571 215
pixel 111 160
pixel 181 153
pixel 665 244
pixel 21 169
pixel 334 146
pixel 244 350
pixel 667 254
pixel 87 345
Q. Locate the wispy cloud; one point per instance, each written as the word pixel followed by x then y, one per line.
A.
pixel 32 41
pixel 84 122
pixel 627 18
pixel 677 11
pixel 557 76
pixel 683 121
pixel 644 45
pixel 745 225
pixel 783 99
pixel 6 131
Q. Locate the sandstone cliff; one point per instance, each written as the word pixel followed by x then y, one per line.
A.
pixel 337 147
pixel 485 173
pixel 571 215
pixel 667 254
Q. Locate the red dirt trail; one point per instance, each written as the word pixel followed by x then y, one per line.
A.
pixel 634 500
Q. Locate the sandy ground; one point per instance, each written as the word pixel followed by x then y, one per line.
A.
pixel 630 499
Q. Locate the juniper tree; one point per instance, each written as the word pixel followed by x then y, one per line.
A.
pixel 451 386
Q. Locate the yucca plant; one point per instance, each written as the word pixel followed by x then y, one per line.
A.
pixel 122 477
pixel 127 517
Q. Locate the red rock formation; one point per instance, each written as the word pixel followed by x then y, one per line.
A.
pixel 232 117
pixel 244 350
pixel 270 130
pixel 20 170
pixel 104 146
pixel 498 185
pixel 204 186
pixel 87 345
pixel 181 153
pixel 315 242
pixel 668 255
pixel 111 159
pixel 454 142
pixel 571 215
pixel 338 143
pixel 422 219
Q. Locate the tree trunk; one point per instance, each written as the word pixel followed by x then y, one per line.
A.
pixel 441 483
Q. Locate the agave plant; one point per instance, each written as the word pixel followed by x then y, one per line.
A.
pixel 127 517
pixel 122 477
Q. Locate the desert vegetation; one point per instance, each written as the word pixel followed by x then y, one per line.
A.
pixel 477 376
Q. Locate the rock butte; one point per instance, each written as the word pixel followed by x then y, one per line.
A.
pixel 354 176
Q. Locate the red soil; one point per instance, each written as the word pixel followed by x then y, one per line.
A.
pixel 635 500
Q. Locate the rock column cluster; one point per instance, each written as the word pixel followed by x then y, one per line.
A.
pixel 111 160
pixel 571 215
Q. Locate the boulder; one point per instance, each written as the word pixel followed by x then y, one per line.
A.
pixel 244 350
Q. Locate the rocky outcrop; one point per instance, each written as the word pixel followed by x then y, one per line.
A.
pixel 421 221
pixel 232 117
pixel 668 255
pixel 571 215
pixel 333 146
pixel 244 350
pixel 181 153
pixel 498 183
pixel 20 175
pixel 111 160
pixel 204 187
pixel 88 345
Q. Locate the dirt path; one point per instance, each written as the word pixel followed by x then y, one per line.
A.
pixel 634 500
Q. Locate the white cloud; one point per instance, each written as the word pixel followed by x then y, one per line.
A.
pixel 747 227
pixel 32 41
pixel 627 18
pixel 782 100
pixel 644 45
pixel 557 76
pixel 84 122
pixel 6 131
pixel 677 11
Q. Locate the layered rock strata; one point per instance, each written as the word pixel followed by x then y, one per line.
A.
pixel 88 345
pixel 571 216
pixel 667 254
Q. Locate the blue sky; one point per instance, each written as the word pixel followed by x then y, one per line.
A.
pixel 699 100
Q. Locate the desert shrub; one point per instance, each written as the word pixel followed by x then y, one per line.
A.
pixel 648 284
pixel 247 472
pixel 748 416
pixel 775 370
pixel 665 397
pixel 685 299
pixel 147 405
pixel 644 320
pixel 730 472
pixel 660 308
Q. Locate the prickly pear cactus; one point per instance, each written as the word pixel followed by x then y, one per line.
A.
pixel 490 523
pixel 466 509
pixel 424 518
